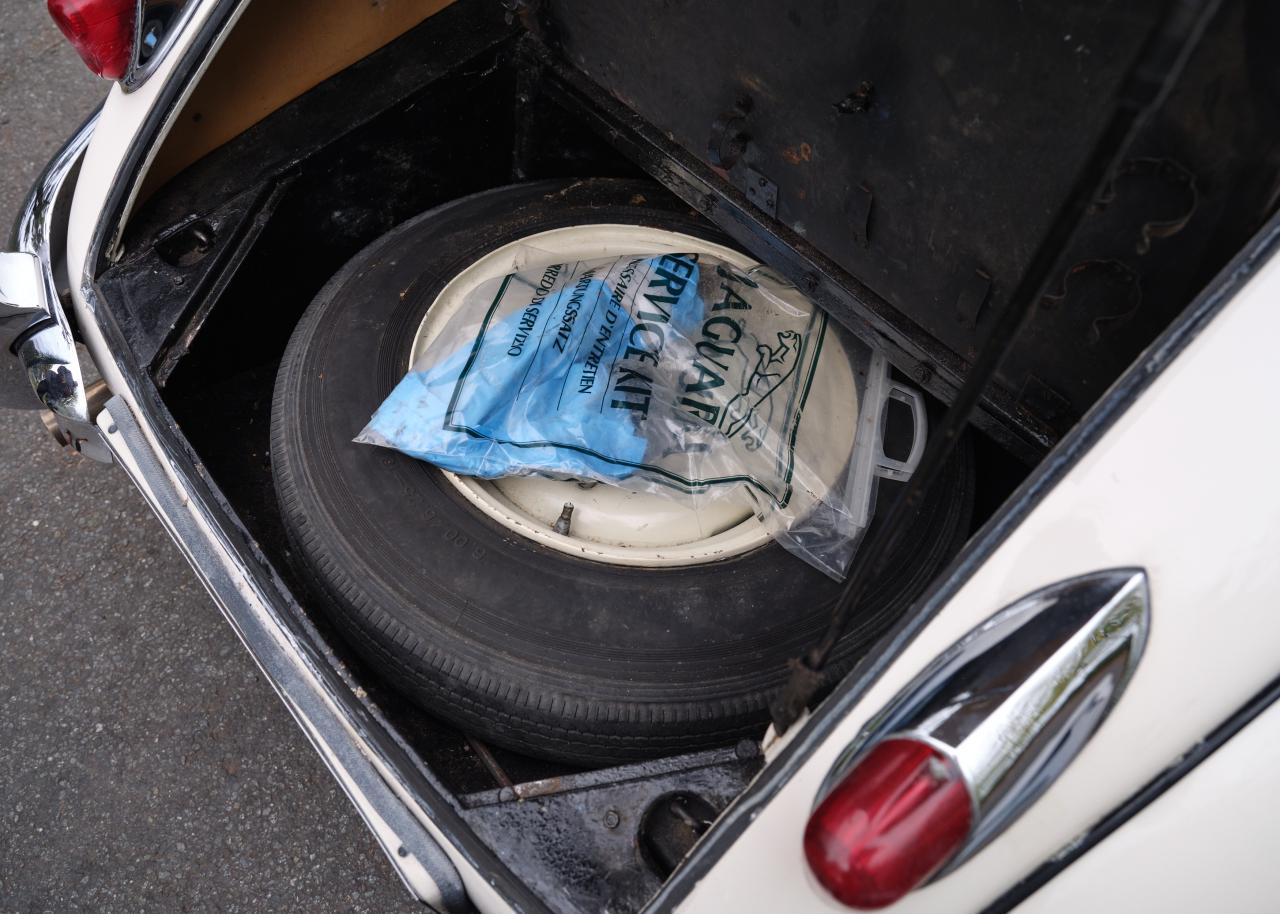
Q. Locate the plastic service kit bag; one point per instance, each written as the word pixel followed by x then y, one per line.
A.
pixel 670 373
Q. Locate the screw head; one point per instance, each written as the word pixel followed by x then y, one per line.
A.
pixel 612 819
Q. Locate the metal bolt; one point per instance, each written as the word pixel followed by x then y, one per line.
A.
pixel 562 523
pixel 612 819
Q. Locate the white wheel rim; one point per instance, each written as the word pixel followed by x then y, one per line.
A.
pixel 611 524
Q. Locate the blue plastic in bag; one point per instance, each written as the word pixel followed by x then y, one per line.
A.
pixel 675 373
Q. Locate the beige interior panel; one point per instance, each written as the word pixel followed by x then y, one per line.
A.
pixel 278 50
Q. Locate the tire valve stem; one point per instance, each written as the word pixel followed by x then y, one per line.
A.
pixel 561 525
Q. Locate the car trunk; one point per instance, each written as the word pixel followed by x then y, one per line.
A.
pixel 912 169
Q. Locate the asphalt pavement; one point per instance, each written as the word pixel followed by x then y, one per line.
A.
pixel 145 765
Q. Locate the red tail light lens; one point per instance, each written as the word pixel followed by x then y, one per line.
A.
pixel 890 824
pixel 101 31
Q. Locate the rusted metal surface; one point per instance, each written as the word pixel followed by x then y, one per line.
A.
pixel 609 838
pixel 966 128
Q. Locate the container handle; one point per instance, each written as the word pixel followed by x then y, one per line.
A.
pixel 886 466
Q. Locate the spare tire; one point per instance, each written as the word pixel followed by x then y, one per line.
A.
pixel 534 648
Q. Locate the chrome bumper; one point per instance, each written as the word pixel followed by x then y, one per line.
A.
pixel 33 322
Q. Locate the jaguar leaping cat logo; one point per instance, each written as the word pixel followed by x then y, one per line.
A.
pixel 773 366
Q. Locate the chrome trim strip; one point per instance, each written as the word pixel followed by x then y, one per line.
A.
pixel 415 855
pixel 1022 746
pixel 1016 699
pixel 48 355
